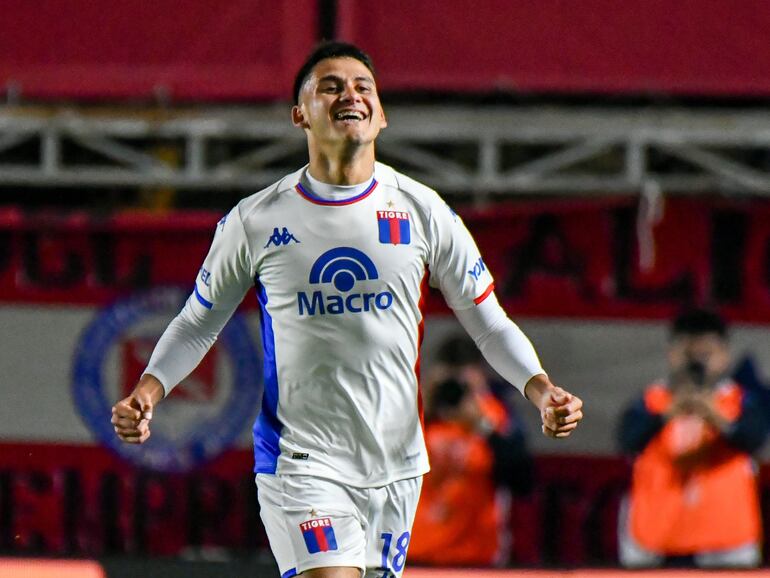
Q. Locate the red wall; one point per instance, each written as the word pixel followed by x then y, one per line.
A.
pixel 82 500
pixel 709 47
pixel 201 50
pixel 195 50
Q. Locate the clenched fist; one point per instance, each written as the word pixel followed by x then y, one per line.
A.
pixel 131 415
pixel 560 411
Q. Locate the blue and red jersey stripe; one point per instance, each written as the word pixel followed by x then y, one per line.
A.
pixel 394 227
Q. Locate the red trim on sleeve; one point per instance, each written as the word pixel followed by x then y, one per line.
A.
pixel 485 294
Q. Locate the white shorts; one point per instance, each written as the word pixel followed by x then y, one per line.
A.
pixel 314 522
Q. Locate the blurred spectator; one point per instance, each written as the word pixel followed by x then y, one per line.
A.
pixel 478 455
pixel 694 494
pixel 747 375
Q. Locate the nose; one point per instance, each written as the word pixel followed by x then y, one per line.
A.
pixel 349 93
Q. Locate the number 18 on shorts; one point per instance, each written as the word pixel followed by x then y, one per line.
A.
pixel 393 553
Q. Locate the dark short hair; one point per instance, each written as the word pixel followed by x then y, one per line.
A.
pixel 331 49
pixel 695 322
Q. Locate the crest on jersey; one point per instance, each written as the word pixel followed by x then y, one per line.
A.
pixel 319 535
pixel 394 227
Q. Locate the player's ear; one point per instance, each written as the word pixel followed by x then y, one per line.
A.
pixel 298 117
pixel 383 119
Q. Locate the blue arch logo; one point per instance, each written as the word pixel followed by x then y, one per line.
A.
pixel 197 436
pixel 342 267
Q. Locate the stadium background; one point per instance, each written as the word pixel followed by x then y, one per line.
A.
pixel 611 158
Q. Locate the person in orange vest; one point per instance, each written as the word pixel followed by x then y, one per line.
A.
pixel 694 496
pixel 478 457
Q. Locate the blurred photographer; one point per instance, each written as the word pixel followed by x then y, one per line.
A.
pixel 478 457
pixel 693 497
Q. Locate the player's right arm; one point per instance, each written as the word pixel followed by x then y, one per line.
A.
pixel 131 415
pixel 223 280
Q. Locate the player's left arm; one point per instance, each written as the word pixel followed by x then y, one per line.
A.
pixel 560 410
pixel 459 271
pixel 512 355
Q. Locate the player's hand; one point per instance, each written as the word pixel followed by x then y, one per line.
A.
pixel 560 411
pixel 131 416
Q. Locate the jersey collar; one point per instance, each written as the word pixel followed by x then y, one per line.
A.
pixel 310 196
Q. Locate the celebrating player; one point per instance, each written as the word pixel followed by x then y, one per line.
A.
pixel 341 253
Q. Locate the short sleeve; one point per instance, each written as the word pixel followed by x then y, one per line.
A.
pixel 456 266
pixel 226 274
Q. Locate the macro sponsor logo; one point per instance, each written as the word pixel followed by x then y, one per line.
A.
pixel 342 268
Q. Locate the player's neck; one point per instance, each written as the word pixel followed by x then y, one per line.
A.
pixel 345 169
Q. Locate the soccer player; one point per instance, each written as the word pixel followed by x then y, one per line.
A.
pixel 341 253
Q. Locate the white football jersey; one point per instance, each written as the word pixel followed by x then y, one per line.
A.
pixel 341 285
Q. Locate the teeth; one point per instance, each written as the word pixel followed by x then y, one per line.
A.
pixel 349 115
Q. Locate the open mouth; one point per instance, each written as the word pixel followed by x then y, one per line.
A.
pixel 349 115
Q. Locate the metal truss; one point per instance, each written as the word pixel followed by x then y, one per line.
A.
pixel 458 150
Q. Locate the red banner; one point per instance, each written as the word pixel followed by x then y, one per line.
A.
pixel 161 50
pixel 245 49
pixel 81 500
pixel 693 47
pixel 581 259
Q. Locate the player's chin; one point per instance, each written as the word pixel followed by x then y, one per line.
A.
pixel 356 138
pixel 358 133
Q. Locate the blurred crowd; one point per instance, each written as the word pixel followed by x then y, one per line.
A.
pixel 691 438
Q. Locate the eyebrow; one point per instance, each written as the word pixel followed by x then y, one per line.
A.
pixel 335 78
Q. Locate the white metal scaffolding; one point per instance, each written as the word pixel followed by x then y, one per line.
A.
pixel 457 150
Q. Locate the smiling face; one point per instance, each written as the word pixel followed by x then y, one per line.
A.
pixel 339 105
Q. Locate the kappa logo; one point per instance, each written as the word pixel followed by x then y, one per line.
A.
pixel 342 267
pixel 280 238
